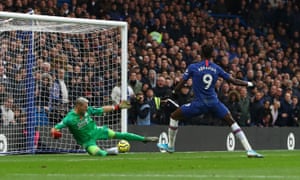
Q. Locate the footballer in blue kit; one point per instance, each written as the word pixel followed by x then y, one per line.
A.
pixel 204 76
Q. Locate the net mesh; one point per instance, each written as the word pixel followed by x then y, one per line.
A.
pixel 44 67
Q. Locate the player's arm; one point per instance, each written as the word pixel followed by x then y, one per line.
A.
pixel 240 82
pixel 228 77
pixel 55 131
pixel 60 125
pixel 124 104
pixel 186 75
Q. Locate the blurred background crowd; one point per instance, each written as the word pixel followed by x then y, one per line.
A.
pixel 254 40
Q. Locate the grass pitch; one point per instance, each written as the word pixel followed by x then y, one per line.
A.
pixel 277 165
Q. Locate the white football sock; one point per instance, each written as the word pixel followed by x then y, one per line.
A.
pixel 112 151
pixel 173 128
pixel 241 136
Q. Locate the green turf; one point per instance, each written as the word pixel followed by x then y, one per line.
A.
pixel 276 165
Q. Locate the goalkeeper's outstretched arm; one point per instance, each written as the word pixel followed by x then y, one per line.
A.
pixel 123 105
pixel 55 131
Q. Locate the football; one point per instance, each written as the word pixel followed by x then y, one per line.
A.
pixel 123 146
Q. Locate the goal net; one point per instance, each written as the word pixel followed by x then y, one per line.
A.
pixel 46 63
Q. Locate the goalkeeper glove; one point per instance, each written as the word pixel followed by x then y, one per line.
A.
pixel 55 133
pixel 123 105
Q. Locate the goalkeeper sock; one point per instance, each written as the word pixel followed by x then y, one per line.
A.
pixel 172 131
pixel 129 136
pixel 241 136
pixel 101 153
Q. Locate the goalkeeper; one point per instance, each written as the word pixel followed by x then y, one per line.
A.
pixel 86 132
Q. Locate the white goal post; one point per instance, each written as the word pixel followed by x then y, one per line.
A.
pixel 45 63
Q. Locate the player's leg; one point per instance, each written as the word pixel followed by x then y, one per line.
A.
pixel 104 132
pixel 185 111
pixel 238 132
pixel 94 150
pixel 236 129
pixel 176 116
pixel 130 136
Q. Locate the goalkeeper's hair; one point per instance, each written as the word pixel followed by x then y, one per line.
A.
pixel 81 100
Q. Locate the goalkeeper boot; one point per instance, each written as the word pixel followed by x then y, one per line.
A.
pixel 150 139
pixel 166 147
pixel 112 151
pixel 254 154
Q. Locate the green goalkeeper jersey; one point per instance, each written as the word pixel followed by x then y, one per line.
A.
pixel 82 129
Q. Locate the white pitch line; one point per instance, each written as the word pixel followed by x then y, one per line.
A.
pixel 171 176
pixel 106 158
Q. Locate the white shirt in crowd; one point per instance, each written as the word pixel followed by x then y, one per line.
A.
pixel 116 94
pixel 8 116
pixel 64 91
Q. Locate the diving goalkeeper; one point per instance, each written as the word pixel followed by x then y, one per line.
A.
pixel 86 132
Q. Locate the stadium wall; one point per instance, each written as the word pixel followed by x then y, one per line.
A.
pixel 216 138
pixel 189 138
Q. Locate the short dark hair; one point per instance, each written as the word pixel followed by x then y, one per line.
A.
pixel 207 50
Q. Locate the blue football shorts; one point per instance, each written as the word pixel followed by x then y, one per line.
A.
pixel 198 107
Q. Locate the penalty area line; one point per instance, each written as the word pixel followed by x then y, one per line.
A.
pixel 176 176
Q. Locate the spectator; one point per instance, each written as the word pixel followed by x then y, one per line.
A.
pixel 161 89
pixel 116 93
pixel 152 78
pixel 285 111
pixel 224 92
pixel 102 96
pixel 3 93
pixel 157 114
pixel 256 106
pixel 220 7
pixel 7 113
pixel 244 102
pixel 256 16
pixel 135 84
pixel 43 91
pixel 42 94
pixel 296 111
pixel 143 110
pixel 3 78
pixel 279 93
pixel 266 120
pixel 93 7
pixel 75 84
pixel 46 68
pixel 59 96
pixel 275 111
pixel 185 95
pixel 18 88
pixel 233 105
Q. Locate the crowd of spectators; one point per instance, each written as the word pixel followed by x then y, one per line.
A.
pixel 256 40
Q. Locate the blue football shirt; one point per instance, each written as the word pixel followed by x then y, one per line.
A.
pixel 204 75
